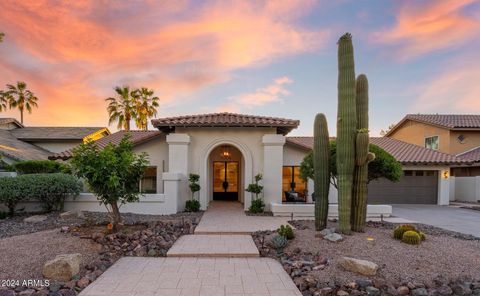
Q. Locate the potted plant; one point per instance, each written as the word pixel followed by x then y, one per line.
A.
pixel 193 205
pixel 257 205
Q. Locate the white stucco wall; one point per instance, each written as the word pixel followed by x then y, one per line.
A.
pixel 157 150
pixel 57 146
pixel 467 189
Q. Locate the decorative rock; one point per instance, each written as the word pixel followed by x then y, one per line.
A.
pixel 63 267
pixel 476 292
pixel 83 283
pixel 352 285
pixel 67 215
pixel 372 291
pixel 55 287
pixel 461 289
pixel 64 229
pixel 342 293
pixel 327 231
pixel 403 290
pixel 363 283
pixel 363 267
pixel 35 219
pixel 444 290
pixel 152 253
pixel 333 237
pixel 325 291
pixel 419 292
pixel 7 293
pixel 28 292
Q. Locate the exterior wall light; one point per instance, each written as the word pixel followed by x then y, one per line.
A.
pixel 446 174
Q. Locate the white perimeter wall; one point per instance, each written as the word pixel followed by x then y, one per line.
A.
pixel 467 189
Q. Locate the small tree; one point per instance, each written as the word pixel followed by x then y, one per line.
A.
pixel 112 173
pixel 257 205
pixel 383 166
pixel 193 205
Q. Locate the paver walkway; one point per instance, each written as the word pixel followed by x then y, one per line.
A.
pixel 214 246
pixel 137 276
pixel 226 217
pixel 187 271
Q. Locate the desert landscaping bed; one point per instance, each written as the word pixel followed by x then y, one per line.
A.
pixel 23 256
pixel 446 263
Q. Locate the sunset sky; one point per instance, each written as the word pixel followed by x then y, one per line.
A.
pixel 274 58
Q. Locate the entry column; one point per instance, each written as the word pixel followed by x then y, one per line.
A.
pixel 175 180
pixel 178 153
pixel 272 167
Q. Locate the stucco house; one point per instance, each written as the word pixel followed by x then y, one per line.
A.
pixel 227 150
pixel 19 142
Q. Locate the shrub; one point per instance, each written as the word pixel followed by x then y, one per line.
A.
pixel 411 237
pixel 279 242
pixel 11 193
pixel 50 189
pixel 39 167
pixel 3 215
pixel 286 231
pixel 257 206
pixel 401 229
pixel 192 205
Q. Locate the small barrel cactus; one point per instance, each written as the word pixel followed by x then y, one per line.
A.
pixel 400 230
pixel 286 231
pixel 279 242
pixel 411 237
pixel 422 236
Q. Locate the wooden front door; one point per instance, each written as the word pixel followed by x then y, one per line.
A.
pixel 225 180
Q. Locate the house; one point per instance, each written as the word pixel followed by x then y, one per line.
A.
pixel 227 150
pixel 453 134
pixel 18 142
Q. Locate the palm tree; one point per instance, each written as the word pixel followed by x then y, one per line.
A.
pixel 18 96
pixel 122 108
pixel 1 36
pixel 3 101
pixel 146 106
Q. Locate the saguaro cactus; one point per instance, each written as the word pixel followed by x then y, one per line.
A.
pixel 346 130
pixel 321 159
pixel 363 157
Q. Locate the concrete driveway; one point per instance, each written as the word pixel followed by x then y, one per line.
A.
pixel 446 217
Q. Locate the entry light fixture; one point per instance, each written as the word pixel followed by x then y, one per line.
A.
pixel 225 153
pixel 446 174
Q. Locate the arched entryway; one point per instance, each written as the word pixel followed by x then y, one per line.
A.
pixel 227 167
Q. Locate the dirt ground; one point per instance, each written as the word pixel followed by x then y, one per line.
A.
pixel 438 256
pixel 23 256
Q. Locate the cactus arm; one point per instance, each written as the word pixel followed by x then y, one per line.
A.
pixel 346 130
pixel 321 158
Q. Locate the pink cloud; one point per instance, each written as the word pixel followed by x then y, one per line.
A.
pixel 424 27
pixel 73 53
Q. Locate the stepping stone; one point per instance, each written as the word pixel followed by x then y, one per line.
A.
pixel 214 246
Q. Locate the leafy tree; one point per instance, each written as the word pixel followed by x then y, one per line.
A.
pixel 146 105
pixel 18 96
pixel 112 173
pixel 389 128
pixel 383 166
pixel 123 107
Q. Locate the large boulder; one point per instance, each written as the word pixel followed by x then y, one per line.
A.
pixel 363 267
pixel 35 219
pixel 63 267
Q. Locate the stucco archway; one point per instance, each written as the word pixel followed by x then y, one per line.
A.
pixel 247 172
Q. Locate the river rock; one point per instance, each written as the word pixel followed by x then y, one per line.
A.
pixel 63 267
pixel 359 266
pixel 35 219
pixel 333 237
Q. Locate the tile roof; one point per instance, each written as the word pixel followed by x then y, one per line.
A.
pixel 137 137
pixel 405 153
pixel 4 121
pixel 225 119
pixel 449 121
pixel 32 133
pixel 473 154
pixel 18 150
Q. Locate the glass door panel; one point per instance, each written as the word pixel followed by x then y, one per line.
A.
pixel 232 176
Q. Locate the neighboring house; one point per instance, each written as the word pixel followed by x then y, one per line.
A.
pixel 453 134
pixel 227 150
pixel 18 142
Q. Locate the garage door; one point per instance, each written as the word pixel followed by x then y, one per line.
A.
pixel 416 187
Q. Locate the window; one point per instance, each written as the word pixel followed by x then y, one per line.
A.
pixel 293 186
pixel 431 142
pixel 148 184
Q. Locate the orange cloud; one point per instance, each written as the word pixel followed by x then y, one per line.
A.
pixel 273 92
pixel 72 53
pixel 424 27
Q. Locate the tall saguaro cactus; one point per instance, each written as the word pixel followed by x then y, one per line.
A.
pixel 346 130
pixel 363 157
pixel 321 159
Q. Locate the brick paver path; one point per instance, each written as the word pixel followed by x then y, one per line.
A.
pixel 226 217
pixel 214 246
pixel 137 276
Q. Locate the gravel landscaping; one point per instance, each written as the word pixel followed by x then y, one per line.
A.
pixel 313 262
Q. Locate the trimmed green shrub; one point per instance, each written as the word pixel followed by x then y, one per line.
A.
pixel 401 229
pixel 411 237
pixel 192 205
pixel 257 206
pixel 286 231
pixel 279 242
pixel 11 193
pixel 39 167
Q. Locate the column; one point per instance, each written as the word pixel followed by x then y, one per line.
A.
pixel 178 153
pixel 175 180
pixel 272 168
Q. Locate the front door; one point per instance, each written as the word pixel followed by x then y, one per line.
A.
pixel 225 180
